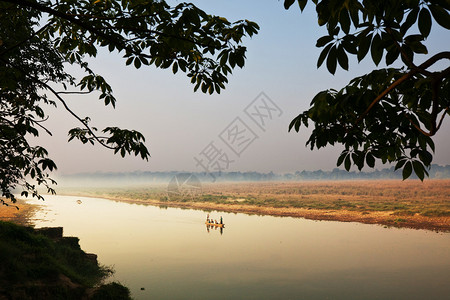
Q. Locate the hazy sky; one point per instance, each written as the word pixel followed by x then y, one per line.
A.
pixel 180 125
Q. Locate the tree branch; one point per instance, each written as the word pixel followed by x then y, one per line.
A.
pixel 77 117
pixel 74 93
pixel 46 86
pixel 25 40
pixel 419 69
pixel 442 118
pixel 43 127
pixel 51 11
pixel 384 93
pixel 418 127
pixel 432 60
pixel 88 27
pixel 129 17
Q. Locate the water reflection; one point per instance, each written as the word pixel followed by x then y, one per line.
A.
pixel 168 253
pixel 208 227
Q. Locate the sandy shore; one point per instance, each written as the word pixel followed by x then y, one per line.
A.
pixel 19 212
pixel 441 224
pixel 25 212
pixel 410 204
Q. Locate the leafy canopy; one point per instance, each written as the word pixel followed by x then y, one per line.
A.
pixel 38 38
pixel 389 114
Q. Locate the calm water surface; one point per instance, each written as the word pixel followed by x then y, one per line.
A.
pixel 171 254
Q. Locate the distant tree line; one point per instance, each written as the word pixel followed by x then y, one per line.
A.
pixel 436 172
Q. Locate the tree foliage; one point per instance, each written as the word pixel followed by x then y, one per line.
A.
pixel 389 114
pixel 38 38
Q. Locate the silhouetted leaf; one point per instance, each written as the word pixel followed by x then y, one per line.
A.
pixel 288 3
pixel 419 169
pixel 370 160
pixel 342 58
pixel 410 20
pixel 129 61
pixel 332 60
pixel 419 47
pixel 302 4
pixel 347 163
pixel 137 63
pixel 441 16
pixel 323 55
pixel 324 40
pixel 376 50
pixel 407 170
pixel 400 164
pixel 295 123
pixel 424 22
pixel 392 55
pixel 341 158
pixel 344 20
pixel 175 67
pixel 349 44
pixel 364 46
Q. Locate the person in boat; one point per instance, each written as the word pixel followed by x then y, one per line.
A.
pixel 221 221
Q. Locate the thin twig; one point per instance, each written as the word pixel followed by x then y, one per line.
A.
pixel 418 126
pixel 37 80
pixel 73 93
pixel 77 117
pixel 442 118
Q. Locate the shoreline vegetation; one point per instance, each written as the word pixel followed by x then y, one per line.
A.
pixel 39 264
pixel 44 264
pixel 391 203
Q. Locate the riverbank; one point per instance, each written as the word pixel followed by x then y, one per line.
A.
pixel 20 213
pixel 410 204
pixel 39 264
pixel 44 264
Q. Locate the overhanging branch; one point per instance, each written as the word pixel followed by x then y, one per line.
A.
pixel 25 40
pixel 97 31
pixel 46 86
pixel 76 116
pixel 420 69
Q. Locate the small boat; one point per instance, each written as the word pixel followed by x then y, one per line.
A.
pixel 216 225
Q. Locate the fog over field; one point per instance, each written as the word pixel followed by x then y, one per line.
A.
pixel 161 179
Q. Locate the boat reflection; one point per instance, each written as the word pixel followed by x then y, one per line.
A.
pixel 211 226
pixel 210 222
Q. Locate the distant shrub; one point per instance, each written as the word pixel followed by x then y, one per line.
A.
pixel 435 213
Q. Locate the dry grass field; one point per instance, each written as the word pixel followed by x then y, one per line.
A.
pixel 410 203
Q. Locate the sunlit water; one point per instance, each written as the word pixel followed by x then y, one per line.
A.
pixel 171 255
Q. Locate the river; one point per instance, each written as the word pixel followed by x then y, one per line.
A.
pixel 169 253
